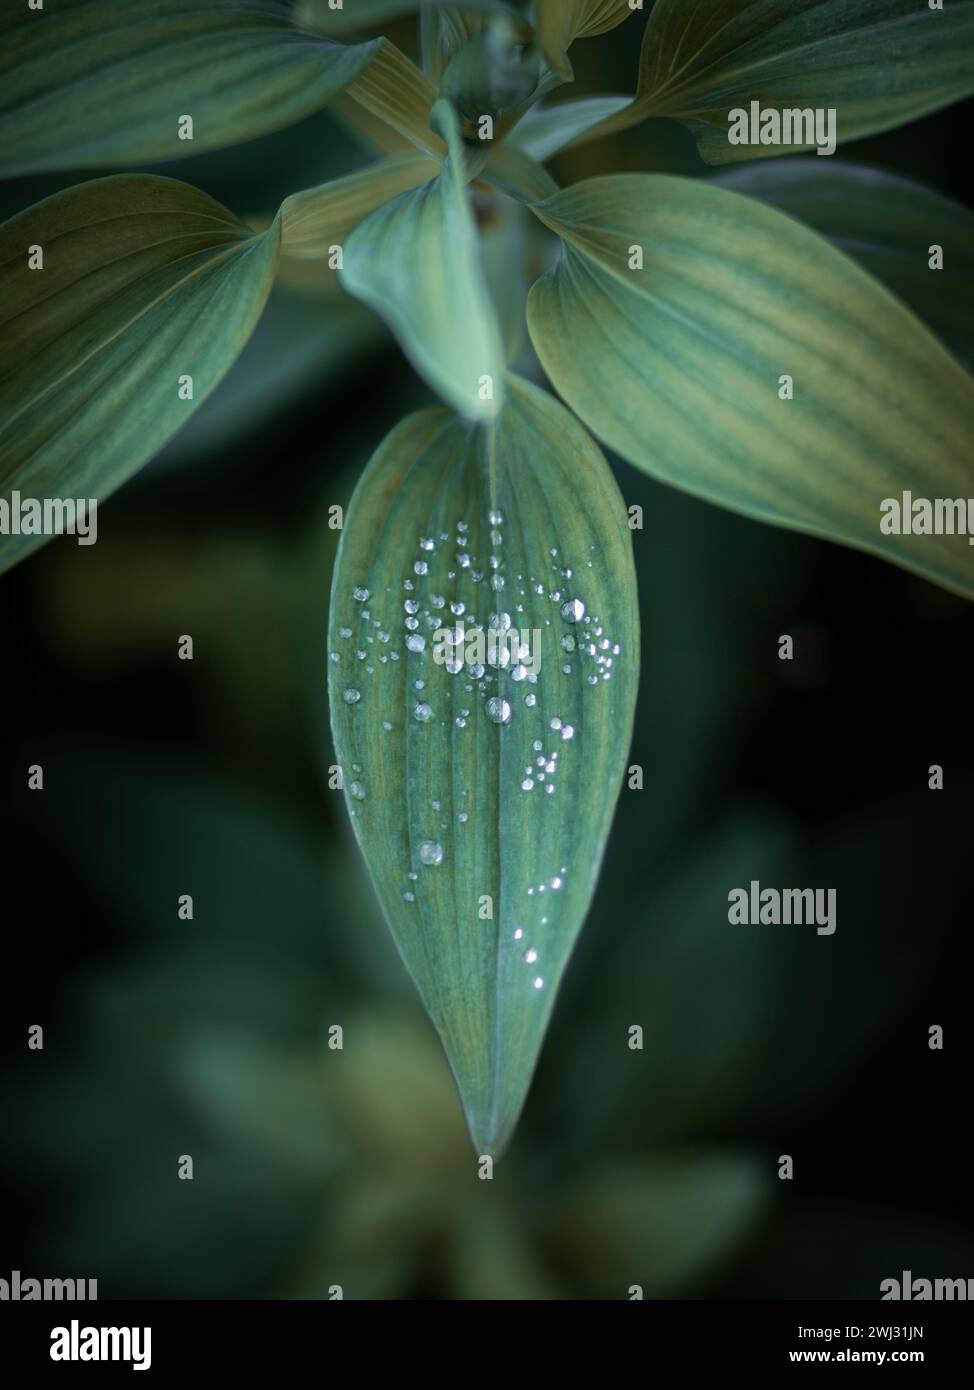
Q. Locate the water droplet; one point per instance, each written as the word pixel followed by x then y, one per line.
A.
pixel 411 605
pixel 357 790
pixel 360 595
pixel 335 656
pixel 437 601
pixel 568 732
pixel 420 567
pixel 412 624
pixel 568 643
pixel 426 543
pixel 387 726
pixel 556 723
pixel 500 622
pixel 457 608
pixel 496 519
pixel 463 560
pixel 530 700
pixel 430 852
pixel 477 670
pixel 538 981
pixel 530 956
pixel 423 713
pixel 352 696
pixel 519 672
pixel 344 632
pixel 497 582
pixel 527 785
pixel 498 711
pixel 416 642
pixel 550 789
pixel 556 883
pixel 410 897
pixel 573 611
pixel 463 817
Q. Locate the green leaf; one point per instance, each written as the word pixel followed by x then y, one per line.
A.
pixel 144 281
pixel 89 83
pixel 888 224
pixel 416 261
pixel 561 22
pixel 677 366
pixel 429 765
pixel 877 63
pixel 316 219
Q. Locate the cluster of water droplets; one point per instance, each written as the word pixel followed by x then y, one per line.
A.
pixel 504 685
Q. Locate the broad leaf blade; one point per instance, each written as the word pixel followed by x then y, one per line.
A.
pixel 889 225
pixel 417 262
pixel 509 828
pixel 878 63
pixel 145 281
pixel 90 83
pixel 677 365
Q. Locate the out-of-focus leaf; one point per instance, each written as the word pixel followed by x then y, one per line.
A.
pixel 561 22
pixel 89 83
pixel 877 63
pixel 663 1224
pixel 482 798
pixel 678 365
pixel 416 261
pixel 145 282
pixel 889 225
pixel 314 220
pixel 547 129
pixel 505 226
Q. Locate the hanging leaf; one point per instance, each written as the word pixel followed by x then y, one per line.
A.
pixel 416 261
pixel 685 365
pixel 481 795
pixel 890 225
pixel 146 293
pixel 89 83
pixel 877 63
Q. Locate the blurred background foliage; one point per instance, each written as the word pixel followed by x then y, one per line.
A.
pixel 316 1167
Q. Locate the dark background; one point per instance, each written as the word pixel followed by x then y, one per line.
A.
pixel 163 777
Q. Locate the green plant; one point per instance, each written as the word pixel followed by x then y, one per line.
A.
pixel 783 368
